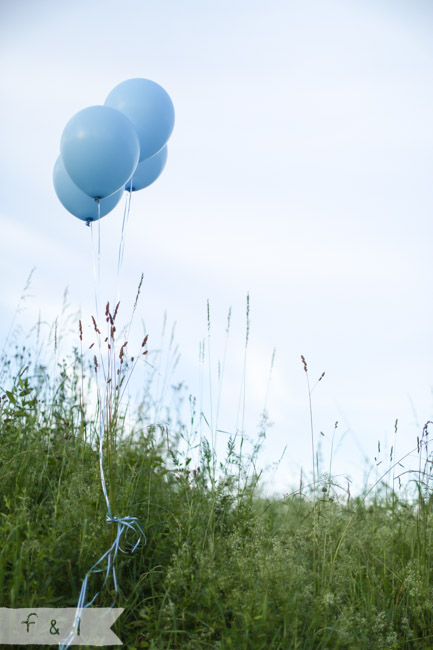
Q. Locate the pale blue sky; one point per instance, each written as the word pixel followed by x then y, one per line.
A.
pixel 300 169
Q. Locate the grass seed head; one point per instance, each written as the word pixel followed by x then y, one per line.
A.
pixel 95 325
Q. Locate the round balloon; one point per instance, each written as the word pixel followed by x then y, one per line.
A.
pixel 77 202
pixel 147 171
pixel 100 150
pixel 150 110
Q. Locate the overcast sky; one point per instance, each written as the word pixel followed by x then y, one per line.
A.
pixel 299 170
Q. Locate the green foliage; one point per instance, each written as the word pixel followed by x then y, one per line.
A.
pixel 222 567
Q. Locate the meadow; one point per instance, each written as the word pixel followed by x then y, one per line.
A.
pixel 221 566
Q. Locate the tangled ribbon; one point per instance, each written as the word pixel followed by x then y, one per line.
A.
pixel 123 524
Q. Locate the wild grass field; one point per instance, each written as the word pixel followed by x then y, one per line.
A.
pixel 221 566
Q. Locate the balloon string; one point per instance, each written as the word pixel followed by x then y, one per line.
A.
pixel 101 439
pixel 95 274
pixel 96 258
pixel 123 523
pixel 99 247
pixel 126 212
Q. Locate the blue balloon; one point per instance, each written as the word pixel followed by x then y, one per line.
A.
pixel 149 108
pixel 147 171
pixel 100 150
pixel 77 202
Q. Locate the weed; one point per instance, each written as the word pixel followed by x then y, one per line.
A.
pixel 224 567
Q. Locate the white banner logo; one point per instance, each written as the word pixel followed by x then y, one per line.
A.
pixel 49 625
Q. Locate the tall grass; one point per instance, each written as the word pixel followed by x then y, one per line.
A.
pixel 223 566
